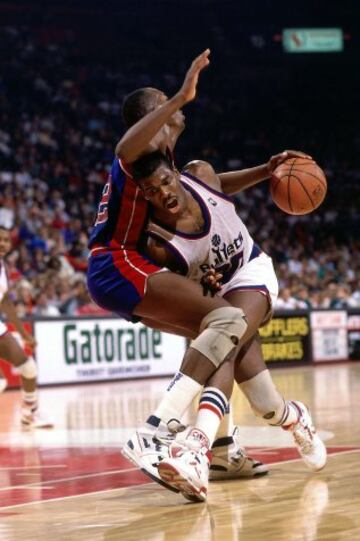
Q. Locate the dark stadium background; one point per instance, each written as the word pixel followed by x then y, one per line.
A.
pixel 64 70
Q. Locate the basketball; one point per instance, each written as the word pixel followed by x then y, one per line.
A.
pixel 298 186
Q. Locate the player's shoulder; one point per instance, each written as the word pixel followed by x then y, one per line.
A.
pixel 204 172
pixel 199 168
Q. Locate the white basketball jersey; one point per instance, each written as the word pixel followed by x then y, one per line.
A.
pixel 4 286
pixel 224 244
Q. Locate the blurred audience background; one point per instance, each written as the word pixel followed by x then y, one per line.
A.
pixel 64 73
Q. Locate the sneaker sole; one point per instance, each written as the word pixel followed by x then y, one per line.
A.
pixel 314 467
pixel 128 454
pixel 228 476
pixel 171 475
pixel 24 424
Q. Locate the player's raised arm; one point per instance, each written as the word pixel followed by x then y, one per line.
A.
pixel 137 139
pixel 233 182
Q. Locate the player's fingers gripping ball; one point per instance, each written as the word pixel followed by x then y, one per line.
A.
pixel 298 186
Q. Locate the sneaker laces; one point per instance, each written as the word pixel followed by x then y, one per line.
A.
pixel 163 438
pixel 301 434
pixel 239 451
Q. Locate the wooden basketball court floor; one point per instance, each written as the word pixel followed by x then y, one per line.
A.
pixel 71 483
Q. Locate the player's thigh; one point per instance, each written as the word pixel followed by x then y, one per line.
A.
pixel 255 306
pixel 172 329
pixel 11 351
pixel 176 300
pixel 250 360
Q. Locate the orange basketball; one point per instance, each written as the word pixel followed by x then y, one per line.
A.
pixel 298 186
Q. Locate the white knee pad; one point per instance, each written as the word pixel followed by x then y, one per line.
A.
pixel 28 369
pixel 263 397
pixel 220 333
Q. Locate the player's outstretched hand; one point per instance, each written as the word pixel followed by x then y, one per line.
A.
pixel 188 89
pixel 211 282
pixel 285 155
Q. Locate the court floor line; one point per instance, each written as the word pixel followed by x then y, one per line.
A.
pixel 65 479
pixel 32 467
pixel 144 484
pixel 270 466
pixel 67 497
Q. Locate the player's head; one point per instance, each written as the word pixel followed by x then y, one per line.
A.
pixel 143 101
pixel 5 241
pixel 159 182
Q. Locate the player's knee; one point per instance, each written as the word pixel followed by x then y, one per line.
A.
pixel 220 333
pixel 28 369
pixel 263 397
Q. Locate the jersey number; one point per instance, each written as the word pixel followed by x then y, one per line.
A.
pixel 229 269
pixel 102 214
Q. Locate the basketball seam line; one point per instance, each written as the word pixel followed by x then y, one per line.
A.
pixel 305 190
pixel 311 175
pixel 288 186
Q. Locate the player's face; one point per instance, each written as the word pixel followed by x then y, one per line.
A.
pixel 162 189
pixel 5 242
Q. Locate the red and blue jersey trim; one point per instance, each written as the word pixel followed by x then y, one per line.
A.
pixel 122 212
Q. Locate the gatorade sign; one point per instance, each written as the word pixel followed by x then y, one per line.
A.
pixel 82 350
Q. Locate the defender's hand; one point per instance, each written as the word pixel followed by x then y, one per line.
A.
pixel 188 89
pixel 280 158
pixel 211 282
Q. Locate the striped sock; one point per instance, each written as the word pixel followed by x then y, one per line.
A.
pixel 212 407
pixel 226 427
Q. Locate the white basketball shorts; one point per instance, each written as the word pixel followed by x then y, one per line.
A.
pixel 256 275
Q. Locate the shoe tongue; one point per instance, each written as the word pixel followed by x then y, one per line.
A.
pixel 174 426
pixel 196 439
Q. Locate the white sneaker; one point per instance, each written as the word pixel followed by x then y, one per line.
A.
pixel 34 419
pixel 146 449
pixel 307 441
pixel 187 468
pixel 230 460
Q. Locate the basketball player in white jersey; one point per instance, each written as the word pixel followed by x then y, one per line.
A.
pixel 10 350
pixel 194 228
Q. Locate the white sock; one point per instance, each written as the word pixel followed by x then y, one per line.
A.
pixel 189 416
pixel 179 394
pixel 291 414
pixel 212 407
pixel 3 384
pixel 266 401
pixel 226 427
pixel 29 399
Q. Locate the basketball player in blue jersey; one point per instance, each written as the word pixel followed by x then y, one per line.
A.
pixel 193 228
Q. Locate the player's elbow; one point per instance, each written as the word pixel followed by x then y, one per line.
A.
pixel 121 150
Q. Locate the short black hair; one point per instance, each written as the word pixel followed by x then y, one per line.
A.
pixel 146 165
pixel 137 104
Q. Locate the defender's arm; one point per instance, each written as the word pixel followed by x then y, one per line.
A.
pixel 138 139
